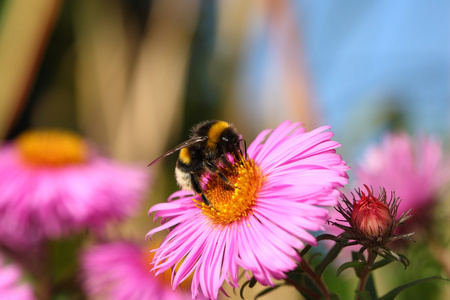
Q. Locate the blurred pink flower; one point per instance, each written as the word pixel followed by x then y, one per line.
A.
pixel 52 183
pixel 412 168
pixel 283 185
pixel 121 271
pixel 11 283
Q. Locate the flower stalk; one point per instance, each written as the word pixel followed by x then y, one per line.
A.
pixel 365 273
pixel 316 278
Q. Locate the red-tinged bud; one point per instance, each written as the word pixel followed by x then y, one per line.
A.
pixel 371 217
pixel 370 221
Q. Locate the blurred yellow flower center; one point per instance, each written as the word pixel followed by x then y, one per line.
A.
pixel 52 148
pixel 230 204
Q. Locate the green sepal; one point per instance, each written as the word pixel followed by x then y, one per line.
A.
pixel 393 256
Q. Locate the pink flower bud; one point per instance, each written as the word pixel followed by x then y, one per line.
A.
pixel 371 217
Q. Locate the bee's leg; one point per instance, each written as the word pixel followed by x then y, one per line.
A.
pixel 197 188
pixel 245 148
pixel 205 199
pixel 238 152
pixel 213 168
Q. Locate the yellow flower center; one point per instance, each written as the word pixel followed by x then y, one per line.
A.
pixel 229 203
pixel 51 148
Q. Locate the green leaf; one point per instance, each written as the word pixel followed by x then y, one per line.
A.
pixel 342 286
pixel 392 294
pixel 308 284
pixel 370 287
pixel 350 264
pixel 358 268
pixel 381 263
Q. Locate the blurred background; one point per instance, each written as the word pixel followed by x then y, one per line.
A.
pixel 133 76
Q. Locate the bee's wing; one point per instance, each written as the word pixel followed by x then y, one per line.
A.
pixel 184 144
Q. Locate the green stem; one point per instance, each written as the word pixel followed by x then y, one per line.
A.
pixel 317 279
pixel 43 278
pixel 365 273
pixel 303 289
pixel 364 276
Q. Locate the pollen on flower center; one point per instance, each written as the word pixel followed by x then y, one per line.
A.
pixel 230 204
pixel 52 148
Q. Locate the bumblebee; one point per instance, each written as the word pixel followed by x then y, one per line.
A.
pixel 209 146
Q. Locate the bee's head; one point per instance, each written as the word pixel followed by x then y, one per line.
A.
pixel 222 137
pixel 231 141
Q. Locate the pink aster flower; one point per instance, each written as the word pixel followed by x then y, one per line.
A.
pixel 53 182
pixel 282 189
pixel 11 283
pixel 121 271
pixel 412 168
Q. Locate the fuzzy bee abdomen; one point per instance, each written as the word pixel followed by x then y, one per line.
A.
pixel 184 179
